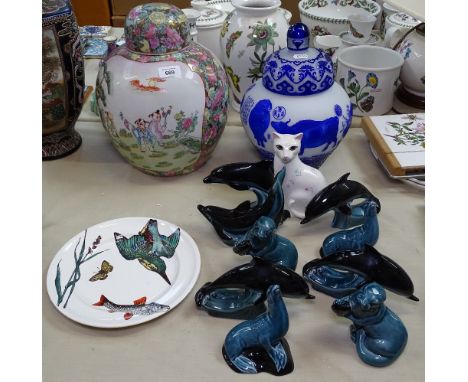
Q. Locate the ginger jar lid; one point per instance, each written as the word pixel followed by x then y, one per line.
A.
pixel 210 17
pixel 298 70
pixel 156 28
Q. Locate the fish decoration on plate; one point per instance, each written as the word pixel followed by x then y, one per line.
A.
pixel 139 307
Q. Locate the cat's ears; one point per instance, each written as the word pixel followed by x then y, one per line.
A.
pixel 297 137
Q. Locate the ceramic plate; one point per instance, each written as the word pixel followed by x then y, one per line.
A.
pixel 123 272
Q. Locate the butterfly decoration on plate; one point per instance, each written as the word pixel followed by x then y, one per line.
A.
pixel 106 268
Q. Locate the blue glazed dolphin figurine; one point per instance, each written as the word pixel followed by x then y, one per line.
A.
pixel 371 266
pixel 262 241
pixel 257 177
pixel 232 225
pixel 378 333
pixel 241 291
pixel 258 345
pixel 337 195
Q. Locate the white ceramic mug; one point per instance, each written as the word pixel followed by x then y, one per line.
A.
pixel 369 75
pixel 360 26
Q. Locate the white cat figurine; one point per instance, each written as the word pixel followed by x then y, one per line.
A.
pixel 301 182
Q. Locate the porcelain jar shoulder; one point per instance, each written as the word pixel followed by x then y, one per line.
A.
pixel 249 35
pixel 297 95
pixel 162 98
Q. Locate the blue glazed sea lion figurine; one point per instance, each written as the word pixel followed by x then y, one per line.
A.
pixel 378 333
pixel 262 241
pixel 356 238
pixel 342 220
pixel 258 345
pixel 232 225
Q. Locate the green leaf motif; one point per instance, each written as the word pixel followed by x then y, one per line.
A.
pixel 230 42
pixel 58 286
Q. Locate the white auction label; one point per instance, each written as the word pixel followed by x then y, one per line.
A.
pixel 303 55
pixel 169 71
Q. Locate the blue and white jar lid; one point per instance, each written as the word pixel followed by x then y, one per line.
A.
pixel 298 70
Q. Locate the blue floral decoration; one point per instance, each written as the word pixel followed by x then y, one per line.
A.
pixel 351 75
pixel 372 80
pixel 338 110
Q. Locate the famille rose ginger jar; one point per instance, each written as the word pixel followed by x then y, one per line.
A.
pixel 162 98
pixel 250 33
pixel 62 79
pixel 297 94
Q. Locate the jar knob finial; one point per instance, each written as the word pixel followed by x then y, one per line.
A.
pixel 298 37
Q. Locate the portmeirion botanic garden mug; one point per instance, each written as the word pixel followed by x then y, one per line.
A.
pixel 369 75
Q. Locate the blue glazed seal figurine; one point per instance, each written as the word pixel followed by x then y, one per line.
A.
pixel 262 241
pixel 378 333
pixel 355 238
pixel 258 345
pixel 297 94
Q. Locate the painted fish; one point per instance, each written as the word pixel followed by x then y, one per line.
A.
pixel 139 307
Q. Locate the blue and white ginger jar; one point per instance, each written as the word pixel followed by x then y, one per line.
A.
pixel 297 94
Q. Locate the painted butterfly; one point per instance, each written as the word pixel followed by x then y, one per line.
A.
pixel 102 274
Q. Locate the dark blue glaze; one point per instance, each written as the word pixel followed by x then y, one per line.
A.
pixel 257 177
pixel 241 292
pixel 262 241
pixel 298 70
pixel 343 220
pixel 262 337
pixel 259 120
pixel 316 133
pixel 232 225
pixel 371 265
pixel 379 334
pixel 298 37
pixel 340 283
pixel 337 195
pixel 356 238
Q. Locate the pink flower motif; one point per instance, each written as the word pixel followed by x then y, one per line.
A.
pixel 154 42
pixel 217 98
pixel 187 123
pixel 172 40
pixel 420 127
pixel 150 33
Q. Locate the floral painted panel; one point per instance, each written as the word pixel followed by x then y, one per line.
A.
pixel 171 134
pixel 405 135
pixel 54 108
